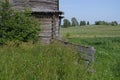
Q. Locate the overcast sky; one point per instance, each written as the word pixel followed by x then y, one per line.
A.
pixel 91 10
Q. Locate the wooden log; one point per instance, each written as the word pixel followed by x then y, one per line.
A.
pixel 45 34
pixel 46 40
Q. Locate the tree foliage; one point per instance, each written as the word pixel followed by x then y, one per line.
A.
pixel 101 23
pixel 74 21
pixel 14 25
pixel 113 23
pixel 88 23
pixel 82 23
pixel 66 23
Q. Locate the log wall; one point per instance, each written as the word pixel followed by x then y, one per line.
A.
pixel 50 27
pixel 45 4
pixel 47 12
pixel 41 4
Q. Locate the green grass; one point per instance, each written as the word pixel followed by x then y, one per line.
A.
pixel 91 31
pixel 107 57
pixel 106 40
pixel 58 62
pixel 40 62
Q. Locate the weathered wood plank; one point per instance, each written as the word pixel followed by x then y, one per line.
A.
pixel 45 34
pixel 42 4
pixel 45 40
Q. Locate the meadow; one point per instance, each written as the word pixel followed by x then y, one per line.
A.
pixel 40 62
pixel 91 31
pixel 106 40
pixel 58 62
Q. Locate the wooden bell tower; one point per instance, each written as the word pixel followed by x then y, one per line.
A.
pixel 47 11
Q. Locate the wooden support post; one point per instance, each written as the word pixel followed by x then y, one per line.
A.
pixel 53 35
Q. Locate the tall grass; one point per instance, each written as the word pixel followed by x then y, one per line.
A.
pixel 60 62
pixel 106 40
pixel 40 62
pixel 107 57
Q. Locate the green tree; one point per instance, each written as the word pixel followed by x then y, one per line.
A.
pixel 114 23
pixel 18 26
pixel 82 23
pixel 88 23
pixel 74 21
pixel 101 23
pixel 66 23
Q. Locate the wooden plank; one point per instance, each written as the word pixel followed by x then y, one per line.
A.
pixel 46 23
pixel 45 34
pixel 42 4
pixel 46 27
pixel 45 19
pixel 45 40
pixel 46 31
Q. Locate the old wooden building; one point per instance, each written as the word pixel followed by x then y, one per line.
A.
pixel 47 11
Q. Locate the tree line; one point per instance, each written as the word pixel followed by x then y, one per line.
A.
pixel 113 23
pixel 74 22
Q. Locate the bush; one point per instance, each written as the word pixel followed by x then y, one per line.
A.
pixel 18 26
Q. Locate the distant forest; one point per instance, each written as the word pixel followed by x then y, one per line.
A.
pixel 74 22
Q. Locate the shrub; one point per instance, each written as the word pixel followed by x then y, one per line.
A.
pixel 18 26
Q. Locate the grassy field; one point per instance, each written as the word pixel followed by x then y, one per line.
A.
pixel 40 62
pixel 58 62
pixel 91 31
pixel 106 40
